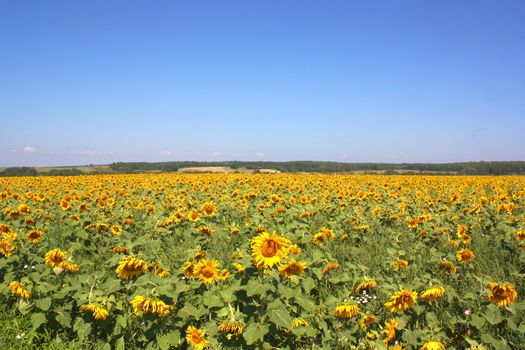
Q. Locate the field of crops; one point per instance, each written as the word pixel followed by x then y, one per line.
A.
pixel 262 261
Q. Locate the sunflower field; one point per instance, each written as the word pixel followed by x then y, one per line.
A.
pixel 250 261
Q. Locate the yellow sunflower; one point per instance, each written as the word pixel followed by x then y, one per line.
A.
pixel 17 289
pixel 55 257
pixel 366 284
pixel 433 293
pixel 367 321
pixel 209 209
pixel 502 294
pixel 98 312
pixel 34 236
pixel 402 300
pixel 465 256
pixel 207 271
pixel 131 267
pixel 231 327
pixel 432 345
pixel 347 310
pixel 141 303
pixel 196 338
pixel 390 330
pixel 292 268
pixel 269 250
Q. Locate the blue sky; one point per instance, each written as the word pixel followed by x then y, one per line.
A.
pixel 356 81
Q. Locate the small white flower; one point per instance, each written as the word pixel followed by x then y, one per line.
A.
pixel 26 266
pixel 468 312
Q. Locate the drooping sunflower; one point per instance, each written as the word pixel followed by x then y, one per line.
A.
pixel 325 234
pixel 347 310
pixel 121 250
pixel 98 312
pixel 367 320
pixel 269 250
pixel 432 345
pixel 502 294
pixel 160 271
pixel 292 268
pixel 402 300
pixel 331 266
pixel 196 338
pixel 390 330
pixel 142 303
pixel 131 267
pixel 231 327
pixel 207 271
pixel 366 284
pixel 34 236
pixel 17 289
pixel 433 293
pixel 465 256
pixel 299 322
pixel 447 266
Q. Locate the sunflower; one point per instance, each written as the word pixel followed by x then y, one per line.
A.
pixel 400 264
pixel 390 330
pixel 160 271
pixel 116 230
pixel 122 250
pixel 189 269
pixel 194 216
pixel 502 294
pixel 331 266
pixel 402 300
pixel 34 236
pixel 17 289
pixel 325 234
pixel 292 268
pixel 465 256
pixel 433 293
pixel 432 345
pixel 209 209
pixel 195 338
pixel 367 320
pixel 141 303
pixel 239 267
pixel 98 312
pixel 131 267
pixel 447 266
pixel 207 271
pixel 269 250
pixel 55 257
pixel 520 235
pixel 231 327
pixel 366 284
pixel 299 322
pixel 347 310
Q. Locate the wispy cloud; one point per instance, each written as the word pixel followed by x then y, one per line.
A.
pixel 167 153
pixel 27 149
pixel 216 154
pixel 259 154
pixel 90 153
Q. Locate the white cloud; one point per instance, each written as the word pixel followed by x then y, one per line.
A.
pixel 344 156
pixel 259 154
pixel 90 153
pixel 216 154
pixel 167 153
pixel 29 149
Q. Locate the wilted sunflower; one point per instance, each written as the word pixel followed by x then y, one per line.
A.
pixel 131 267
pixel 433 293
pixel 269 250
pixel 325 234
pixel 502 294
pixel 299 322
pixel 207 271
pixel 465 256
pixel 347 310
pixel 98 312
pixel 390 330
pixel 17 289
pixel 160 271
pixel 402 300
pixel 366 284
pixel 447 266
pixel 292 268
pixel 34 236
pixel 196 338
pixel 432 345
pixel 141 303
pixel 367 320
pixel 520 235
pixel 400 264
pixel 231 327
pixel 331 266
pixel 121 250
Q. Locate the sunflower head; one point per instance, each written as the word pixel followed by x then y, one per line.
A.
pixel 433 293
pixel 269 249
pixel 502 294
pixel 402 300
pixel 196 338
pixel 347 310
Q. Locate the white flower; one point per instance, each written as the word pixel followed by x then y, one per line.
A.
pixel 468 312
pixel 26 266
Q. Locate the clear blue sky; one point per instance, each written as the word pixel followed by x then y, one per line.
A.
pixel 358 81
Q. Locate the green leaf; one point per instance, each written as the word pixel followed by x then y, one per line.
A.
pixel 213 301
pixel 308 284
pixel 280 317
pixel 305 303
pixel 493 315
pixel 165 341
pixel 254 332
pixel 63 318
pixel 477 321
pixel 120 344
pixel 81 327
pixel 190 311
pixel 43 304
pixel 37 320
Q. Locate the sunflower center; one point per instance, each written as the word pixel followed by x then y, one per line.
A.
pixel 208 271
pixel 196 338
pixel 269 248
